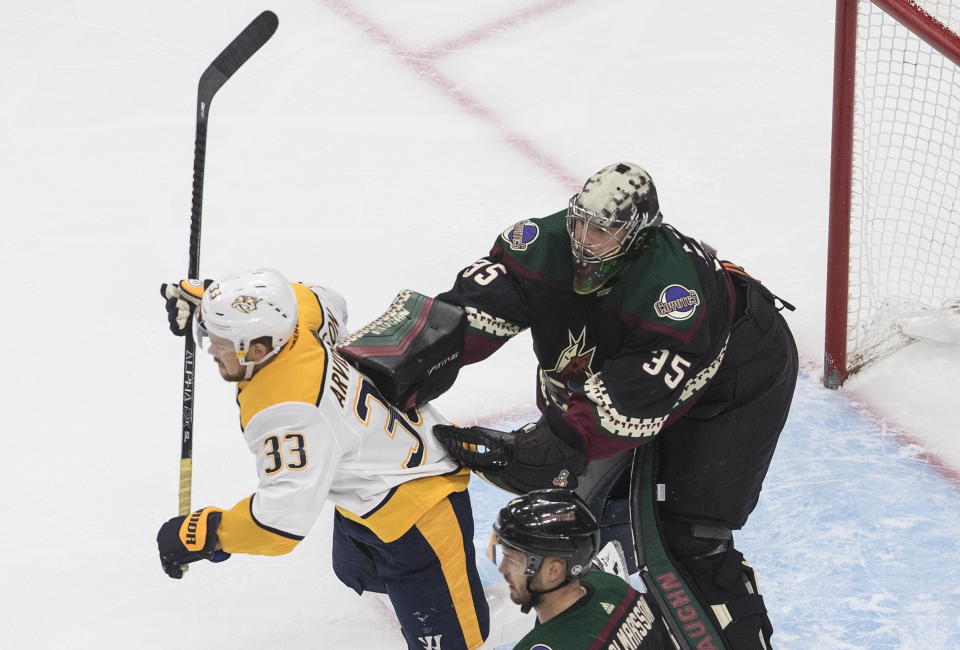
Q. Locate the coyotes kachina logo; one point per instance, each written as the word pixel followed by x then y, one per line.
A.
pixel 574 367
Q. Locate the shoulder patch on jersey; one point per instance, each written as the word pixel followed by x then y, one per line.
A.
pixel 677 302
pixel 662 287
pixel 521 235
pixel 538 250
pixel 540 646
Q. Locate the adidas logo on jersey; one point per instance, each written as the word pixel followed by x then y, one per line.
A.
pixel 607 607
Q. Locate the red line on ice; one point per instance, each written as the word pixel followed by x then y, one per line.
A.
pixel 421 62
pixel 497 27
pixel 424 67
pixel 907 439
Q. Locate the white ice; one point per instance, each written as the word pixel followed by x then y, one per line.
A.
pixel 374 146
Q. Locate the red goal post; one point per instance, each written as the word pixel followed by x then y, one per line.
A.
pixel 894 237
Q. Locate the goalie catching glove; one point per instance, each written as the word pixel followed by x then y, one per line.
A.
pixel 183 299
pixel 189 538
pixel 529 458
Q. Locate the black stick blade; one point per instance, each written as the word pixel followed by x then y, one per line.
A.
pixel 236 54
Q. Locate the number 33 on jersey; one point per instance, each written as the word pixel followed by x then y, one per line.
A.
pixel 321 430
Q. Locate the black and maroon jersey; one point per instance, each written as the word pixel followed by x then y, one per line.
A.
pixel 617 365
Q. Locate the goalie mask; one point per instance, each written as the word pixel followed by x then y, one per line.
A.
pixel 548 523
pixel 606 221
pixel 247 306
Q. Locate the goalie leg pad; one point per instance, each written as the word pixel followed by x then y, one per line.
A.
pixel 726 583
pixel 605 486
pixel 730 588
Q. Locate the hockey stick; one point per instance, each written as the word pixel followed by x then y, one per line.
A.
pixel 235 55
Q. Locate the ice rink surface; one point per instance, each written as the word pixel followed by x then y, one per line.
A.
pixel 374 146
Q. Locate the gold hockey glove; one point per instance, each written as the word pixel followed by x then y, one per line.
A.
pixel 183 299
pixel 189 538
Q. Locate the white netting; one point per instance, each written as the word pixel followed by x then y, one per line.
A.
pixel 905 206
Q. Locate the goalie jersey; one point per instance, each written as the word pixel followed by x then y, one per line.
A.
pixel 320 430
pixel 617 365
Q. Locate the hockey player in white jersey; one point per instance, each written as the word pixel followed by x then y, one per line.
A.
pixel 321 430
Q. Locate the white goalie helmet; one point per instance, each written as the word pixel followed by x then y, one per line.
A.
pixel 246 306
pixel 606 219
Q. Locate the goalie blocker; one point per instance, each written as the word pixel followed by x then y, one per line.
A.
pixel 413 352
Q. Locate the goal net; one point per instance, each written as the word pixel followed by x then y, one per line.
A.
pixel 894 260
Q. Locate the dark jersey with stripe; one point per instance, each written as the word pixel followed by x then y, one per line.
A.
pixel 611 616
pixel 617 365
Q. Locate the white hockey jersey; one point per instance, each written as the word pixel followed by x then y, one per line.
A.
pixel 321 430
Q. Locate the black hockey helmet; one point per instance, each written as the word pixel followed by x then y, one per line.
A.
pixel 550 523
